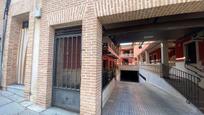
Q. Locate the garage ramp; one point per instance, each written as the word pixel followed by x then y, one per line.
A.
pixel 144 99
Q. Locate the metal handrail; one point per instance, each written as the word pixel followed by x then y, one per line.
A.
pixel 186 66
pixel 112 46
pixel 185 73
pixel 187 84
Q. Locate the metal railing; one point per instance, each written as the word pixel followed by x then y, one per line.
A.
pixel 126 55
pixel 107 77
pixel 197 70
pixel 112 46
pixel 187 84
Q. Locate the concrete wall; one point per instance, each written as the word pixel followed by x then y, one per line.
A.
pixel 107 92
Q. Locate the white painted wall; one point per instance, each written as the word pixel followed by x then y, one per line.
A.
pixel 107 92
pixel 118 74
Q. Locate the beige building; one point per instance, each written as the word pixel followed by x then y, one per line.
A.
pixel 36 26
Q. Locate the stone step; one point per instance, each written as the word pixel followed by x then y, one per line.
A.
pixel 16 89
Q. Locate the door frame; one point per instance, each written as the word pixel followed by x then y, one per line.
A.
pixel 197 50
pixel 54 63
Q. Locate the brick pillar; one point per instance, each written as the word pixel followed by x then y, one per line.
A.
pixel 28 68
pixel 45 62
pixel 90 93
pixel 10 51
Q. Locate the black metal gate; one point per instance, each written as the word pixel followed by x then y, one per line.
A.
pixel 67 69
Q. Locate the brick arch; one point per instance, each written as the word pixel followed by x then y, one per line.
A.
pixel 112 11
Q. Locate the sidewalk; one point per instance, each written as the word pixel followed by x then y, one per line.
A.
pixel 11 104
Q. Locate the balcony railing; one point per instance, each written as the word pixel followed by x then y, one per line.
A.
pixel 127 55
pixel 110 45
pixel 107 77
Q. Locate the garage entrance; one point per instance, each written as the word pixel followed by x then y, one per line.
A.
pixel 131 76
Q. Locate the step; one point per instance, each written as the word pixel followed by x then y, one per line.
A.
pixel 16 89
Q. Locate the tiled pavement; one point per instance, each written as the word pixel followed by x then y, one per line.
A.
pixel 11 104
pixel 145 99
pixel 126 99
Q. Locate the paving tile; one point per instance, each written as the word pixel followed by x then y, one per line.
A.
pixel 4 101
pixel 144 99
pixel 16 98
pixel 28 112
pixel 57 111
pixel 36 108
pixel 26 103
pixel 11 109
pixel 6 93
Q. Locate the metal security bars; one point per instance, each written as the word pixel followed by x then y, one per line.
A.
pixel 107 77
pixel 67 62
pixel 67 69
pixel 185 83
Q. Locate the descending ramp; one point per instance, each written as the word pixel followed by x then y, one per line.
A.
pixel 139 99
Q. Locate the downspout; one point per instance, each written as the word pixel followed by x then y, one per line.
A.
pixel 5 20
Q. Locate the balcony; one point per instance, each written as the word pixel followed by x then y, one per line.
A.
pixel 127 55
pixel 110 49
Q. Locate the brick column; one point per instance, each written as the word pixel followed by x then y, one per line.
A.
pixel 90 93
pixel 10 51
pixel 45 62
pixel 28 68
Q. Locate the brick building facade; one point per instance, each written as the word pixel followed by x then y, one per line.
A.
pixel 1 16
pixel 91 15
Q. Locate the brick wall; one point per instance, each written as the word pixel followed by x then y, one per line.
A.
pixel 10 52
pixel 110 11
pixel 1 16
pixel 61 13
pixel 18 7
pixel 29 52
pixel 90 14
pixel 91 63
pixel 20 10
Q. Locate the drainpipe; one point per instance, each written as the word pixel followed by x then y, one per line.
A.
pixel 5 19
